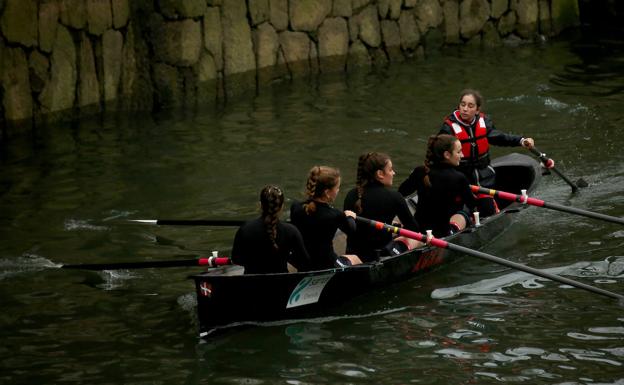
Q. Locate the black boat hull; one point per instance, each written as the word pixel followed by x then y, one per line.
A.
pixel 226 298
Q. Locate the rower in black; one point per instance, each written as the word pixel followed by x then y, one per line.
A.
pixel 266 245
pixel 445 201
pixel 372 198
pixel 318 221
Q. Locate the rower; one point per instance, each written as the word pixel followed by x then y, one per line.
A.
pixel 374 198
pixel 266 244
pixel 445 200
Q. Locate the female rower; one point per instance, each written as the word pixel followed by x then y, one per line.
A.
pixel 445 201
pixel 267 245
pixel 476 132
pixel 318 221
pixel 372 198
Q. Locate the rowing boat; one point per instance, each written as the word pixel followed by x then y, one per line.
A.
pixel 227 298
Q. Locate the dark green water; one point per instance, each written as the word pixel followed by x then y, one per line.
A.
pixel 65 193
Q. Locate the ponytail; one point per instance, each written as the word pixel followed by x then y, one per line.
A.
pixel 368 165
pixel 436 146
pixel 271 202
pixel 320 178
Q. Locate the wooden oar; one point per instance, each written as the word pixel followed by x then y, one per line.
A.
pixel 545 160
pixel 488 257
pixel 209 262
pixel 540 203
pixel 190 222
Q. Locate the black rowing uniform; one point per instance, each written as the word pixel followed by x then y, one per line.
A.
pixel 382 204
pixel 318 230
pixel 253 248
pixel 449 194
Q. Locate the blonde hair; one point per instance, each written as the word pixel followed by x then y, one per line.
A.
pixel 320 178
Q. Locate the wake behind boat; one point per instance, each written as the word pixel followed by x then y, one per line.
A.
pixel 226 297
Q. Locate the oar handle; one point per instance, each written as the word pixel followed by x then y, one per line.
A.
pixel 545 160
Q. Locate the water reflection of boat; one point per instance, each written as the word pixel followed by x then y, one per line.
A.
pixel 226 297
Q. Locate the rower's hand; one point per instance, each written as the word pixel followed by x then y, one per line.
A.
pixel 528 143
pixel 350 213
pixel 549 163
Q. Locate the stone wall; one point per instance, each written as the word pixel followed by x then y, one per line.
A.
pixel 65 59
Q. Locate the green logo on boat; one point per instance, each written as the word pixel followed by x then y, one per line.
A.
pixel 308 290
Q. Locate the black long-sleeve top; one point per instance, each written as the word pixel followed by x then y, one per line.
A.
pixel 449 194
pixel 318 230
pixel 382 204
pixel 253 249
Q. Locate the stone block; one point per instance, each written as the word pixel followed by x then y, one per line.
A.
pixel 307 15
pixel 48 21
pixel 279 14
pixel 472 17
pixel 121 13
pixel 59 93
pixel 99 16
pixel 408 29
pixel 74 13
pixel 88 84
pixel 527 12
pixel 112 48
pixel 238 55
pixel 451 22
pixel 429 14
pixel 19 22
pixel 333 44
pixel 259 11
pixel 369 30
pixel 213 35
pixel 266 44
pixel 17 99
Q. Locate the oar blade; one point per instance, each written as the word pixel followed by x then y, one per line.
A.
pixel 545 161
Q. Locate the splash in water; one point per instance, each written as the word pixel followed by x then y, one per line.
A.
pixel 81 224
pixel 604 271
pixel 27 263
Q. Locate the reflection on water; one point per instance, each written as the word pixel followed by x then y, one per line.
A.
pixel 66 194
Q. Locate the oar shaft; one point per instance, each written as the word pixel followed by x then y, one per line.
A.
pixel 530 270
pixel 190 222
pixel 488 257
pixel 541 203
pixel 545 160
pixel 210 262
pixel 586 213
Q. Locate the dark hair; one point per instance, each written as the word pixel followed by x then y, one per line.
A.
pixel 368 165
pixel 475 93
pixel 436 146
pixel 320 178
pixel 271 202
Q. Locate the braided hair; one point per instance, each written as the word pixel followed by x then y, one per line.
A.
pixel 271 202
pixel 368 165
pixel 436 146
pixel 320 178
